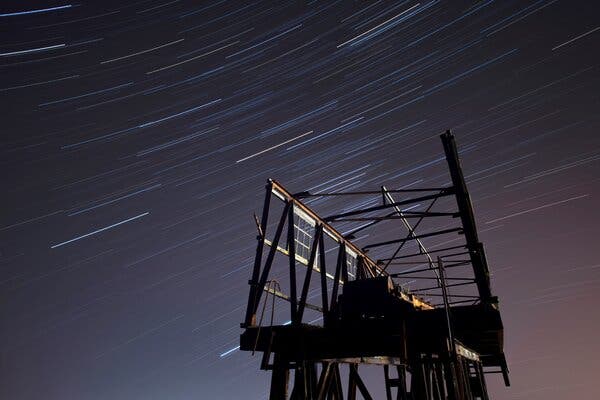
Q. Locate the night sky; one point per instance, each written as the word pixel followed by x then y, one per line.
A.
pixel 137 138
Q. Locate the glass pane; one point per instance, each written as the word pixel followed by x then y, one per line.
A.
pixel 304 233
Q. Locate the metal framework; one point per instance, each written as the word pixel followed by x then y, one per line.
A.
pixel 419 303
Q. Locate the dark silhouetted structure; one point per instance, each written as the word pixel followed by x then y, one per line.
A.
pixel 424 313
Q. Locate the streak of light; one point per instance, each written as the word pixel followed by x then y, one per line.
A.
pixel 479 7
pixel 175 142
pixel 228 352
pixel 329 188
pixel 41 10
pixel 273 147
pixel 74 21
pixel 142 52
pixel 14 53
pixel 215 43
pixel 321 185
pixel 141 335
pixel 114 200
pixel 463 74
pixel 158 6
pixel 539 88
pixel 167 249
pixel 221 316
pixel 38 83
pixel 595 266
pixel 555 170
pixel 191 59
pixel 103 174
pixel 30 220
pixel 392 99
pixel 378 26
pixel 108 135
pixel 178 114
pixel 38 60
pixel 86 94
pixel 325 133
pixel 559 299
pixel 144 92
pixel 575 38
pixel 265 41
pixel 279 56
pixel 537 208
pixel 518 19
pixel 99 230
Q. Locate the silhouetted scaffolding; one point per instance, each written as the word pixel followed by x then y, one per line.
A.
pixel 424 313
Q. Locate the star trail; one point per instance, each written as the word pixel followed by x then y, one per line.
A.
pixel 137 138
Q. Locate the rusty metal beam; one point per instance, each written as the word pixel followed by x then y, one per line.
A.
pixel 477 253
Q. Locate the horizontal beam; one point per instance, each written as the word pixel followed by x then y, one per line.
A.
pixel 367 192
pixel 285 297
pixel 414 237
pixel 443 193
pixel 406 214
pixel 462 246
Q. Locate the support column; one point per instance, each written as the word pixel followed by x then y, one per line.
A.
pixel 279 379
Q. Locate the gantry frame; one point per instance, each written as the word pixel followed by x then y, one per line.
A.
pixel 320 345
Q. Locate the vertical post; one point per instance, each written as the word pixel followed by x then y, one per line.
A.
pixel 439 373
pixel 312 376
pixel 464 373
pixel 453 377
pixel 292 258
pixel 453 365
pixel 451 374
pixel 386 374
pixel 323 269
pixel 442 277
pixel 477 254
pixel 250 315
pixel 351 382
pixel 265 273
pixel 480 374
pixel 359 382
pixel 418 385
pixel 344 265
pixel 360 268
pixel 300 390
pixel 437 390
pixel 309 269
pixel 279 379
pixel 336 277
pixel 324 380
pixel 337 382
pixel 402 392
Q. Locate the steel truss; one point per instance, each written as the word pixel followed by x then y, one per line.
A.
pixel 440 337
